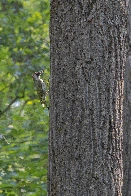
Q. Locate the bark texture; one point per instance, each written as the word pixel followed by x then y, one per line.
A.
pixel 86 97
pixel 127 115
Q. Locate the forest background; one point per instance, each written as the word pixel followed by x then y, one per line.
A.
pixel 24 49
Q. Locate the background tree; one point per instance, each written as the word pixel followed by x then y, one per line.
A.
pixel 127 115
pixel 86 114
pixel 24 49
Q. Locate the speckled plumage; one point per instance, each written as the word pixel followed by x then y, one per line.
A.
pixel 40 86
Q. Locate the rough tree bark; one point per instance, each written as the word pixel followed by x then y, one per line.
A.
pixel 86 96
pixel 127 115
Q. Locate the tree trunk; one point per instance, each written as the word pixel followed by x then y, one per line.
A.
pixel 86 97
pixel 127 116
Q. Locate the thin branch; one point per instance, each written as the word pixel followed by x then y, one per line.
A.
pixel 8 107
pixel 22 107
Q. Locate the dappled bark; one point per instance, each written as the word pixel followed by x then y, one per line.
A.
pixel 86 97
pixel 127 115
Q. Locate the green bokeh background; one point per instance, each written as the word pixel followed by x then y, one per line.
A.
pixel 24 123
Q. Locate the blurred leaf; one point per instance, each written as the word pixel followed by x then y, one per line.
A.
pixel 24 49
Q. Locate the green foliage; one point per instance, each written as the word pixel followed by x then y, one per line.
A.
pixel 24 49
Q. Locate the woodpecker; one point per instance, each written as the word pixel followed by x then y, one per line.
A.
pixel 40 87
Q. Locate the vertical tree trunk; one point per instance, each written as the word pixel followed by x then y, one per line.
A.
pixel 127 115
pixel 86 89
